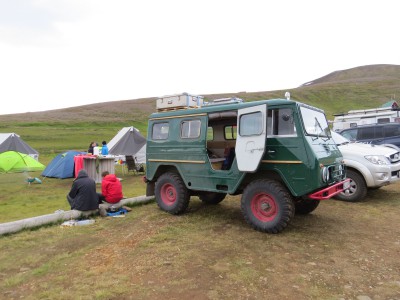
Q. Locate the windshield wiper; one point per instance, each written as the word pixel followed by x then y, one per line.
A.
pixel 319 125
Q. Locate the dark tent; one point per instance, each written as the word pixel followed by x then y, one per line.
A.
pixel 62 166
pixel 128 141
pixel 13 142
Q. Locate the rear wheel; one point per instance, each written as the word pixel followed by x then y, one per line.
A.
pixel 267 206
pixel 212 198
pixel 358 188
pixel 171 193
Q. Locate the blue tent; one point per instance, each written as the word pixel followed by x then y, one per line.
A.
pixel 62 166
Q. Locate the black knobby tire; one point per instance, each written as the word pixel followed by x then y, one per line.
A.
pixel 212 198
pixel 358 188
pixel 171 193
pixel 305 206
pixel 267 206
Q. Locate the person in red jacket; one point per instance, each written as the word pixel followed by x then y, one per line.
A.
pixel 111 193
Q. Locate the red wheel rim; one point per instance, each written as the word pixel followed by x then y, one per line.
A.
pixel 264 207
pixel 168 194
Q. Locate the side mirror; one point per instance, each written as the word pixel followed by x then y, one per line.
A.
pixel 285 117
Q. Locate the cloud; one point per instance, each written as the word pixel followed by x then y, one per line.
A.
pixel 35 22
pixel 61 53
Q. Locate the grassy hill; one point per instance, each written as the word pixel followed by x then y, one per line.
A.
pixel 52 131
pixel 361 87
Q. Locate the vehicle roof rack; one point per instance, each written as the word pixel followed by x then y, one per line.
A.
pixel 223 101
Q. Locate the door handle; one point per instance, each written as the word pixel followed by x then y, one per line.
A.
pixel 256 149
pixel 271 151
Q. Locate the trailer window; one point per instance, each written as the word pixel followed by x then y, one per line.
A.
pixel 383 120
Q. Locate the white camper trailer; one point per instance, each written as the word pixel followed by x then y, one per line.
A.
pixel 367 116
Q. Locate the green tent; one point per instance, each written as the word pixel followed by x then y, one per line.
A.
pixel 13 161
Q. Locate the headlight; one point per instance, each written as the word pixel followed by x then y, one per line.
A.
pixel 377 159
pixel 325 174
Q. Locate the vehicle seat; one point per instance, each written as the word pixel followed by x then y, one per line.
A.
pixel 229 157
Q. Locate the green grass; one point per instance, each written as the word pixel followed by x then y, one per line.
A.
pixel 18 200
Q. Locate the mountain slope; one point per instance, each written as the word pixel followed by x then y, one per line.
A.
pixel 360 74
pixel 357 88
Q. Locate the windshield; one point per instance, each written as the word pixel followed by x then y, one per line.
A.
pixel 315 122
pixel 339 139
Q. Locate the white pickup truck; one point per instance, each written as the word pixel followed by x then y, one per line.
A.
pixel 368 167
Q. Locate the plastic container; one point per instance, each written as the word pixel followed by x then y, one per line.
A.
pixel 96 150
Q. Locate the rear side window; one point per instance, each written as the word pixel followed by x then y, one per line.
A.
pixel 391 131
pixel 230 132
pixel 210 133
pixel 190 129
pixel 160 131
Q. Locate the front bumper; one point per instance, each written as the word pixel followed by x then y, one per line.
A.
pixel 331 190
pixel 382 175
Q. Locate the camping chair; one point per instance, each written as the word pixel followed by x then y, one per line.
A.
pixel 132 165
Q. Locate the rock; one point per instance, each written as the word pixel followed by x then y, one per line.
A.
pixel 363 297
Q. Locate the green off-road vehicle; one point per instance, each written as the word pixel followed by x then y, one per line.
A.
pixel 278 154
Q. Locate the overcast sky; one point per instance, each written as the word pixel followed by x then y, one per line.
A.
pixel 57 54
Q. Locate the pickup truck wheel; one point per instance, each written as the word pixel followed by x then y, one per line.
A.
pixel 358 188
pixel 171 193
pixel 267 206
pixel 212 198
pixel 305 206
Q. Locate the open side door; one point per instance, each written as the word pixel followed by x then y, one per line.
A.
pixel 251 137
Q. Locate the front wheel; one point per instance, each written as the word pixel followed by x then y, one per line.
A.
pixel 358 188
pixel 171 193
pixel 267 206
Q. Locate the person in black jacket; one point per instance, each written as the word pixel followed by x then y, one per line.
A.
pixel 82 195
pixel 91 147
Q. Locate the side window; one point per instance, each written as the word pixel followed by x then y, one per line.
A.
pixel 367 133
pixel 210 134
pixel 230 132
pixel 280 122
pixel 190 129
pixel 350 134
pixel 160 131
pixel 251 124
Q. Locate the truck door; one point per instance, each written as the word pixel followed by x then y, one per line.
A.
pixel 251 138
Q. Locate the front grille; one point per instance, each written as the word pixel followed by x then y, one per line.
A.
pixel 337 172
pixel 394 158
